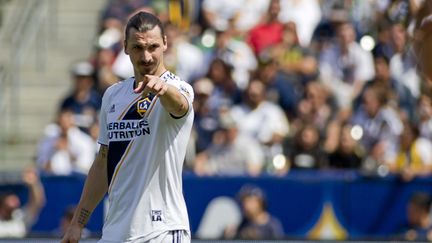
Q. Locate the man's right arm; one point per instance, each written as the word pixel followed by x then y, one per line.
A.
pixel 94 190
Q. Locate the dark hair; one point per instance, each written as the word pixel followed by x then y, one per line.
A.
pixel 421 199
pixel 379 54
pixel 249 190
pixel 4 195
pixel 143 22
pixel 226 67
pixel 413 127
pixel 379 93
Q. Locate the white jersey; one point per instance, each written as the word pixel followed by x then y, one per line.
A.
pixel 146 149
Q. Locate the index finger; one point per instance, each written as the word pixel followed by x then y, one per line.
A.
pixel 149 76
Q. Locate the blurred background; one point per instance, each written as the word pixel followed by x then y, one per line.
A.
pixel 312 120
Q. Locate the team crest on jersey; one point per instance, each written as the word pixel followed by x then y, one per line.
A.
pixel 143 105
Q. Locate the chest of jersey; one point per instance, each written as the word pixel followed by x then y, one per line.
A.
pixel 127 117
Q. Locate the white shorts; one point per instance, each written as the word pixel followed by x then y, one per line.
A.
pixel 174 236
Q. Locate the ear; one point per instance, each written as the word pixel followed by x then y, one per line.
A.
pixel 165 46
pixel 125 47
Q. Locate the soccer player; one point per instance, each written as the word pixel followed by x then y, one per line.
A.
pixel 145 124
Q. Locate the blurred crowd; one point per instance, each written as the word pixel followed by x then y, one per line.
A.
pixel 279 85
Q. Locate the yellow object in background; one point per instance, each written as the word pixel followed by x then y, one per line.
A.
pixel 179 13
pixel 328 226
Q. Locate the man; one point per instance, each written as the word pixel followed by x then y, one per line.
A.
pixel 419 227
pixel 145 126
pixel 83 101
pixel 16 221
pixel 230 153
pixel 65 149
pixel 345 66
pixel 257 222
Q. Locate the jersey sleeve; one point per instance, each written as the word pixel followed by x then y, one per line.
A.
pixel 103 133
pixel 186 90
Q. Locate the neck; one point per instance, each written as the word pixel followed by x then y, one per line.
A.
pixel 261 218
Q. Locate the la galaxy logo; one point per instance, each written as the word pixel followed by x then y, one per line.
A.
pixel 143 105
pixel 156 215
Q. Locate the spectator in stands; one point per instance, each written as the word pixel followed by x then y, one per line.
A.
pixel 279 88
pixel 306 14
pixel 304 150
pixel 104 73
pixel 257 222
pixel 419 226
pixel 206 121
pixel 237 54
pixel 403 63
pixel 116 13
pixel 182 57
pixel 242 15
pixel 231 152
pixel 65 149
pixel 424 110
pixel 268 32
pixel 84 101
pixel 383 46
pixel 297 62
pixel 16 221
pixel 261 119
pixel 226 91
pixel 349 154
pixel 399 96
pixel 380 124
pixel 345 66
pixel 316 107
pixel 401 11
pixel 414 154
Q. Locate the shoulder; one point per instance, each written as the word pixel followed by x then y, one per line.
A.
pixel 424 144
pixel 117 87
pixel 171 77
pixel 270 107
pixel 391 117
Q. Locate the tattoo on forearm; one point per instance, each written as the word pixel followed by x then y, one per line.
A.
pixel 83 216
pixel 103 151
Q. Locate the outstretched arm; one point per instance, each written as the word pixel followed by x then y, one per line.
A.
pixel 36 195
pixel 94 190
pixel 171 98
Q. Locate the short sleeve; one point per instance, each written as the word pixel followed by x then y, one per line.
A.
pixel 186 90
pixel 103 133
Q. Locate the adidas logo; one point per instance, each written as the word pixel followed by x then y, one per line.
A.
pixel 112 109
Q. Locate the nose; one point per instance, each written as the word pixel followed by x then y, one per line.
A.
pixel 147 57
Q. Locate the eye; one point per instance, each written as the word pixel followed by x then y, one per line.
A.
pixel 136 47
pixel 153 47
